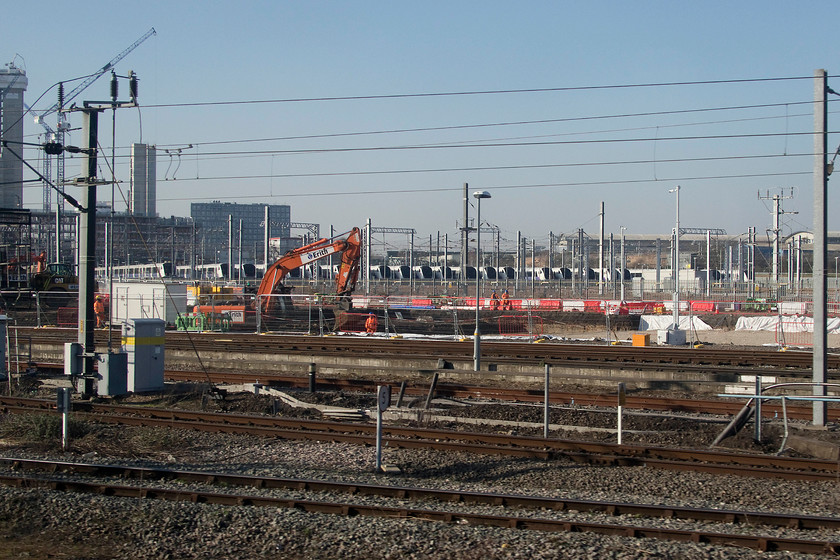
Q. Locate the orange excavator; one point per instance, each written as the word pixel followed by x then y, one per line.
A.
pixel 350 248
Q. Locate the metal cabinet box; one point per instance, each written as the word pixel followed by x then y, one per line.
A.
pixel 113 374
pixel 143 341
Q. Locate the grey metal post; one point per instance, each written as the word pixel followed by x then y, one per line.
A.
pixel 545 409
pixel 87 250
pixel 367 259
pixel 758 408
pixel 612 265
pixel 658 264
pixel 533 267
pixel 820 375
pixel 230 249
pixel 411 264
pixel 267 234
pixel 445 259
pixel 622 400
pixel 623 260
pixel 601 254
pixel 676 263
pixel 709 264
pixel 465 236
pixel 378 431
pixel 238 252
pixel 58 233
pixel 518 261
pixel 477 349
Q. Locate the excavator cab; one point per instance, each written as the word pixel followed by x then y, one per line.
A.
pixel 58 281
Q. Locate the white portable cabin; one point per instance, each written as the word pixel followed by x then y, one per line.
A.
pixel 148 300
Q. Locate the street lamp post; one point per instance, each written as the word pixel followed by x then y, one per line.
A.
pixel 477 350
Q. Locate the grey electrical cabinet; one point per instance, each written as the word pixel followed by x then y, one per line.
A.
pixel 113 374
pixel 143 342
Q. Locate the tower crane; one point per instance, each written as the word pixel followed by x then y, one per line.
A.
pixel 63 125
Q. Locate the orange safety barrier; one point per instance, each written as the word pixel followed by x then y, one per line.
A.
pixel 703 306
pixel 67 316
pixel 417 302
pixel 592 306
pixel 518 325
pixel 638 307
pixel 551 304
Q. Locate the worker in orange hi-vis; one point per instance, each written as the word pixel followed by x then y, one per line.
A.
pixel 371 323
pixel 99 311
pixel 494 300
pixel 505 300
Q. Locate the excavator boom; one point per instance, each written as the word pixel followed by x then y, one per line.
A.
pixel 350 248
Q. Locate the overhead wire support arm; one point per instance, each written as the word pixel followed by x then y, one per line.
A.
pixel 70 200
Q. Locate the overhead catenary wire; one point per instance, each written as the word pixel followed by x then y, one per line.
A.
pixel 526 123
pixel 484 92
pixel 424 190
pixel 205 156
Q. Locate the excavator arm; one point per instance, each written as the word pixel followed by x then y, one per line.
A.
pixel 350 248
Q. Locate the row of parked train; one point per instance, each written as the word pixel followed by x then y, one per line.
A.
pixel 250 271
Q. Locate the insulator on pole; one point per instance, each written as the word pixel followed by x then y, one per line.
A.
pixel 114 86
pixel 132 85
pixel 60 95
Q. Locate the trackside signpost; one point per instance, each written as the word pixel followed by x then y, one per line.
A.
pixel 383 401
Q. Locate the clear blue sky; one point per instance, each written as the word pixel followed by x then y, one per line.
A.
pixel 212 52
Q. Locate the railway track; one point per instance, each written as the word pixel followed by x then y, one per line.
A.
pixel 710 461
pixel 552 353
pixel 453 390
pixel 192 487
pixel 669 404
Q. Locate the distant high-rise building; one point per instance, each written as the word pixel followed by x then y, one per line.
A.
pixel 13 83
pixel 143 199
pixel 211 220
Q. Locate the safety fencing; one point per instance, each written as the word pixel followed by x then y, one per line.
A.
pixel 351 322
pixel 521 325
pixel 67 316
pixel 196 310
pixel 795 331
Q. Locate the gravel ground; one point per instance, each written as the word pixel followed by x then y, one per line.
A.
pixel 38 523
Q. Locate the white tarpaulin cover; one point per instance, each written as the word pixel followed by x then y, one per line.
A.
pixel 791 323
pixel 662 322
